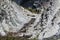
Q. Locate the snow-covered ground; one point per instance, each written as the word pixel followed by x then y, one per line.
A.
pixel 45 24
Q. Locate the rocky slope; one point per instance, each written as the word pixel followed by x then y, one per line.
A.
pixel 20 22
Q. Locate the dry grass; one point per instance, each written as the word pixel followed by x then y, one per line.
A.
pixel 33 10
pixel 13 38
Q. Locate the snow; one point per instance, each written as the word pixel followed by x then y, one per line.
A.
pixel 19 18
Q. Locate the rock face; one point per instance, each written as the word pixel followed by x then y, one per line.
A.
pixel 21 22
